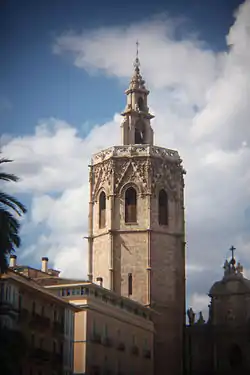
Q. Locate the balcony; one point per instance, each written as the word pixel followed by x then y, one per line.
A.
pixel 96 338
pixel 147 353
pixel 58 328
pixel 135 350
pixel 40 355
pixel 39 321
pixel 121 346
pixel 7 308
pixel 57 359
pixel 107 342
pixel 23 315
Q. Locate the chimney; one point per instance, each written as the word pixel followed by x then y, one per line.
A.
pixel 12 260
pixel 45 264
pixel 99 280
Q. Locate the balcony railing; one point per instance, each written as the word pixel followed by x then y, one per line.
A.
pixel 57 359
pixel 23 315
pixel 40 354
pixel 7 308
pixel 40 321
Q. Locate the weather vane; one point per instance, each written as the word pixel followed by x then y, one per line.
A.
pixel 137 49
pixel 137 61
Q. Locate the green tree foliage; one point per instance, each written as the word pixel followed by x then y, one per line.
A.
pixel 10 209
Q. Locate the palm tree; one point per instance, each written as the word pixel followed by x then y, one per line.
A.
pixel 10 208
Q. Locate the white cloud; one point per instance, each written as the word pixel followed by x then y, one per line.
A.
pixel 200 101
pixel 199 302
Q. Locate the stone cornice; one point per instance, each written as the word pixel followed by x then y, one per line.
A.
pixel 137 151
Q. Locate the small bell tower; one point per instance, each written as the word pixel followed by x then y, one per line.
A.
pixel 136 128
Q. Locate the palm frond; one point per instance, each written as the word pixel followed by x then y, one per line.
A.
pixel 8 177
pixel 4 160
pixel 13 203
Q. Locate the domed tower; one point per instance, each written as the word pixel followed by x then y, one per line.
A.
pixel 136 225
pixel 230 318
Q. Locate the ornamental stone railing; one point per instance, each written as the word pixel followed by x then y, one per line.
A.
pixel 135 150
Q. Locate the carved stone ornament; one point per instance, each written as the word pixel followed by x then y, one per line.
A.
pixel 102 175
pixel 163 175
pixel 131 171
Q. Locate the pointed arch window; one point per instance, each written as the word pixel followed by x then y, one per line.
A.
pixel 163 208
pixel 102 210
pixel 140 103
pixel 139 133
pixel 130 205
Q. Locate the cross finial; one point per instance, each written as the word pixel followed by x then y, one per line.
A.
pixel 232 249
pixel 137 61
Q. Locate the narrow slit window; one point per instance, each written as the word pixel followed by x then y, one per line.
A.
pixel 130 206
pixel 130 284
pixel 163 208
pixel 102 210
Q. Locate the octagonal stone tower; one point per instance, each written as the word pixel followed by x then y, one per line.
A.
pixel 136 225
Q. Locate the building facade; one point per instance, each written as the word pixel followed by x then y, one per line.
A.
pixel 113 334
pixel 44 322
pixel 136 225
pixel 222 345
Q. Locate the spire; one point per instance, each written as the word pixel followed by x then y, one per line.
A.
pixel 136 128
pixel 137 61
pixel 136 81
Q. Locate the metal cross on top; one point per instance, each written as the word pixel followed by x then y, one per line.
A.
pixel 137 61
pixel 232 249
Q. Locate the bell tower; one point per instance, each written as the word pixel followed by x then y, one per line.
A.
pixel 136 225
pixel 136 128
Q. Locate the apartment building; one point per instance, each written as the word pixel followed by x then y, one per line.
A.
pixel 113 335
pixel 43 322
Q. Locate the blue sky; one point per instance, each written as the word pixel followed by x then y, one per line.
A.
pixel 38 84
pixel 64 68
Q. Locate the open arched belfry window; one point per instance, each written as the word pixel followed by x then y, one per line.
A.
pixel 130 206
pixel 102 210
pixel 163 208
pixel 139 133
